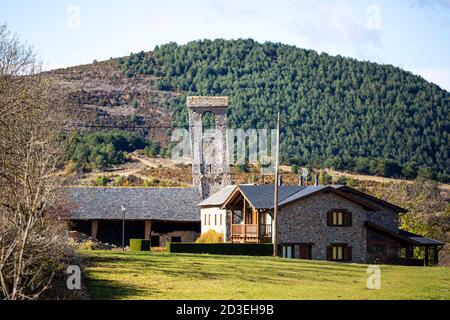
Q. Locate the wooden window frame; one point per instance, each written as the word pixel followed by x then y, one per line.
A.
pixel 346 252
pixel 347 218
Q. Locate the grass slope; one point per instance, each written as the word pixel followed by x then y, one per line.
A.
pixel 117 275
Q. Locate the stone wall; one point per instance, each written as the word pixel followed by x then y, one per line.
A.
pixel 186 236
pixel 384 216
pixel 305 221
pixel 210 165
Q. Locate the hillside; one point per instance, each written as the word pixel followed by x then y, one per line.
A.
pixel 337 112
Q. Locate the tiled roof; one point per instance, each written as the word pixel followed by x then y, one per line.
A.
pixel 261 196
pixel 405 236
pixel 419 239
pixel 218 198
pixel 173 204
pixel 301 194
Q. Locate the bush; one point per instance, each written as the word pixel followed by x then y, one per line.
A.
pixel 101 181
pixel 242 168
pixel 151 182
pixel 86 245
pixel 139 245
pixel 245 249
pixel 210 236
pixel 153 149
pixel 342 180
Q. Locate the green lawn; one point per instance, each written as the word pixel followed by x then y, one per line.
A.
pixel 117 275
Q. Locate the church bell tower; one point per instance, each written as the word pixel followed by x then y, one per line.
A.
pixel 210 162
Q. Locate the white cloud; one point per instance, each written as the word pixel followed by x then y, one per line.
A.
pixel 334 27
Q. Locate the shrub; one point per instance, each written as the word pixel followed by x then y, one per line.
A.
pixel 246 249
pixel 342 180
pixel 151 182
pixel 210 236
pixel 101 181
pixel 86 245
pixel 139 245
pixel 242 167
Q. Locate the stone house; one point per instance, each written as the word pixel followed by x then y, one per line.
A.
pixel 335 223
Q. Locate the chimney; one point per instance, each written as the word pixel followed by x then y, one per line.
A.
pixel 300 180
pixel 316 180
pixel 280 180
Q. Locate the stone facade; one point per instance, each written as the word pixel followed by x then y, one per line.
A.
pixel 305 221
pixel 186 236
pixel 384 216
pixel 210 165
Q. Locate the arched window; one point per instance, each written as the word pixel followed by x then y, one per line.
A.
pixel 208 121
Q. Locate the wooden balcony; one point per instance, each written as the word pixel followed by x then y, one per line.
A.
pixel 255 233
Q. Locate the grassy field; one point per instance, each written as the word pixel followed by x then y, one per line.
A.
pixel 117 275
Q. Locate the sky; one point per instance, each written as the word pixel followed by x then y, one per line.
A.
pixel 411 34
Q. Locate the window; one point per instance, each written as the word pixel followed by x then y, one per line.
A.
pixel 339 218
pixel 209 219
pixel 175 239
pixel 288 251
pixel 215 219
pixel 339 252
pixel 220 219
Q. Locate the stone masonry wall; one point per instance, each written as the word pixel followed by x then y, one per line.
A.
pixel 210 166
pixel 186 236
pixel 384 217
pixel 306 222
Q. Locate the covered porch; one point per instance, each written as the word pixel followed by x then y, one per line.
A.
pixel 403 247
pixel 248 224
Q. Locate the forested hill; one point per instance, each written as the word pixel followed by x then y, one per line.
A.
pixel 336 111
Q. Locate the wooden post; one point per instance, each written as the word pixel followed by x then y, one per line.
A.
pixel 94 229
pixel 275 200
pixel 244 212
pixel 257 224
pixel 435 256
pixel 427 254
pixel 148 230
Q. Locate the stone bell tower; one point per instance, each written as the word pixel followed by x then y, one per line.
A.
pixel 210 163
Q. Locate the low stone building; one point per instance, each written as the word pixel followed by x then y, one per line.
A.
pixel 156 214
pixel 335 223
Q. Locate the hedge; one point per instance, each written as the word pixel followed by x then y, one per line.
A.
pixel 139 245
pixel 245 249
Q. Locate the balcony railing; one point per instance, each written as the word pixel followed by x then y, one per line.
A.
pixel 265 230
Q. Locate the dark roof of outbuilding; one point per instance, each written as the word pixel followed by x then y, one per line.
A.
pixel 169 204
